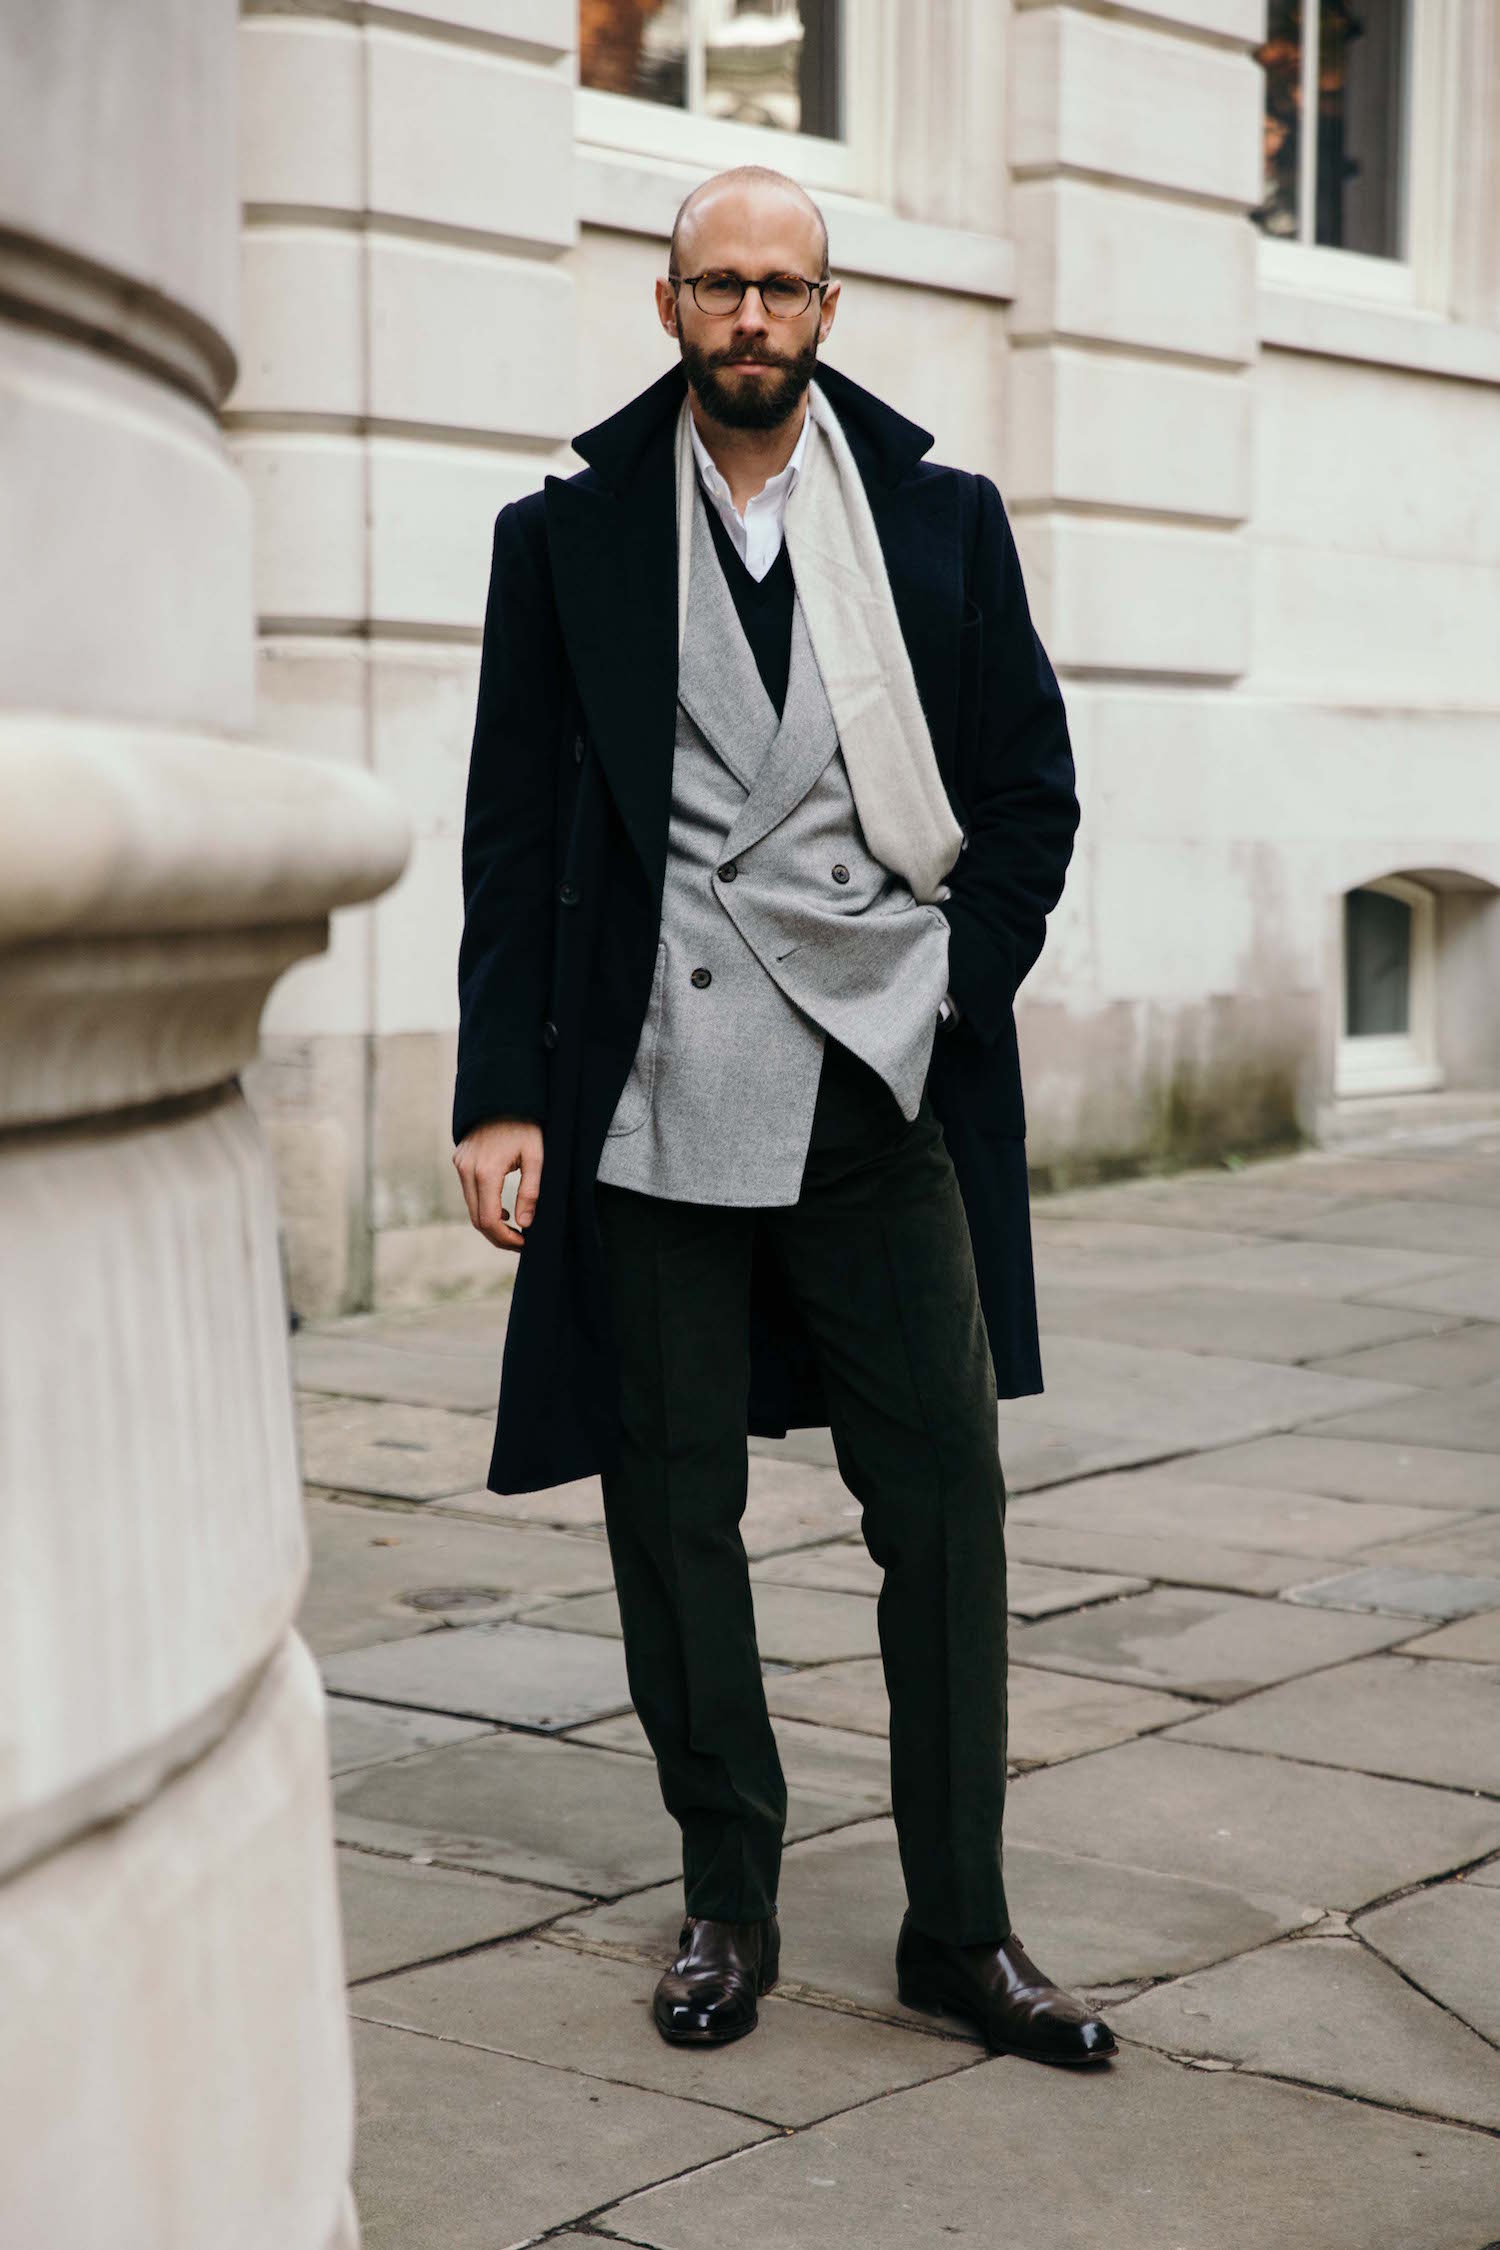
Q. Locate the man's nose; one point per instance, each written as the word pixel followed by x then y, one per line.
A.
pixel 753 318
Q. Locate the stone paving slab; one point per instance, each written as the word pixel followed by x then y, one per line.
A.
pixel 1329 1270
pixel 518 1675
pixel 1472 1548
pixel 1199 1199
pixel 823 1761
pixel 387 1573
pixel 472 2150
pixel 464 1327
pixel 1470 1292
pixel 371 1734
pixel 383 1369
pixel 1152 1503
pixel 1386 1714
pixel 1234 1323
pixel 1177 1561
pixel 1151 2157
pixel 1465 1421
pixel 1459 1355
pixel 793 1624
pixel 1447 1940
pixel 1351 1469
pixel 1472 1640
pixel 1460 1230
pixel 396 1914
pixel 1198 1641
pixel 1327 2012
pixel 398 1452
pixel 538 1810
pixel 1266 1825
pixel 1089 1924
pixel 1178 1399
pixel 584 2012
pixel 1126 1243
pixel 1401 1590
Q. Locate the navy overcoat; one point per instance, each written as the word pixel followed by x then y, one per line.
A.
pixel 564 858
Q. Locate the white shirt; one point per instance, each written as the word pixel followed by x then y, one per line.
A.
pixel 757 533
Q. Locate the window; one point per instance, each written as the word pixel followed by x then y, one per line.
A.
pixel 1345 64
pixel 1388 1042
pixel 773 64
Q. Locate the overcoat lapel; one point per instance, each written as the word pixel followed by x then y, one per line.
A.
pixel 614 566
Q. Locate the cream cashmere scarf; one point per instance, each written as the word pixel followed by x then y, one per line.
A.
pixel 846 598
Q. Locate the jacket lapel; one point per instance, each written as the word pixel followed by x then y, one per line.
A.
pixel 805 741
pixel 718 680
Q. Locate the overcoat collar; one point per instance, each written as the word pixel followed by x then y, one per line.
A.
pixel 612 539
pixel 619 446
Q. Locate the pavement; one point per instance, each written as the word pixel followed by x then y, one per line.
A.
pixel 1254 1541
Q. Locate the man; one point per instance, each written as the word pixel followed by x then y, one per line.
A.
pixel 770 795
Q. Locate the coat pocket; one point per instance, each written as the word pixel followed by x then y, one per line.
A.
pixel 634 1105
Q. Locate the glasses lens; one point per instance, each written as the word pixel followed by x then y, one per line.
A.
pixel 786 293
pixel 718 292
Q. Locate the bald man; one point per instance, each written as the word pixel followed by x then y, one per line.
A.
pixel 772 1065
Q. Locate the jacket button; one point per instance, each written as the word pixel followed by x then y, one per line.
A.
pixel 728 871
pixel 549 1033
pixel 568 893
pixel 701 977
pixel 841 873
pixel 578 749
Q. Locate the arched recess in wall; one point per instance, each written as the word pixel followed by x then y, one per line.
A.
pixel 1419 976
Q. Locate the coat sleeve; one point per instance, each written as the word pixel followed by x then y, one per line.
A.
pixel 505 952
pixel 1023 810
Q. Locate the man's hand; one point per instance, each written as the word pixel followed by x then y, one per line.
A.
pixel 484 1160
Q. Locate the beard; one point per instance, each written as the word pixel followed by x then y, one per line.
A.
pixel 748 402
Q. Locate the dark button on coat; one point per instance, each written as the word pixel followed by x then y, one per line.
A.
pixel 569 793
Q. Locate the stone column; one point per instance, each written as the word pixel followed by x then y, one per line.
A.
pixel 174 2069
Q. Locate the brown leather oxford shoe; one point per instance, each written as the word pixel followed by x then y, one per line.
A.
pixel 1002 1990
pixel 708 1995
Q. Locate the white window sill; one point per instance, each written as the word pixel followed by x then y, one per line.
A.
pixel 636 194
pixel 1342 305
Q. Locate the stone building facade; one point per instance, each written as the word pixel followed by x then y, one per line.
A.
pixel 1239 385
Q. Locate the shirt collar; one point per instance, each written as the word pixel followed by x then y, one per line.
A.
pixel 773 488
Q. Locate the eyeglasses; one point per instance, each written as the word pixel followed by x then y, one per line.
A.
pixel 784 295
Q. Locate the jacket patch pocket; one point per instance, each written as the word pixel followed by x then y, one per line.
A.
pixel 634 1105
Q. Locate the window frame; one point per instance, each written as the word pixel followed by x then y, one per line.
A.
pixel 1394 1062
pixel 1419 276
pixel 856 165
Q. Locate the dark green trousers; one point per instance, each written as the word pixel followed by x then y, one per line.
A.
pixel 878 1257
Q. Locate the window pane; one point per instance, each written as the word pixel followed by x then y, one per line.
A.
pixel 773 62
pixel 1281 59
pixel 635 47
pixel 1360 70
pixel 1377 964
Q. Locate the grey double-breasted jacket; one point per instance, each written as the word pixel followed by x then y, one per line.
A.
pixel 778 927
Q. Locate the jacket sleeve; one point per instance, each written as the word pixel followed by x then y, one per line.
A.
pixel 505 953
pixel 1023 810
